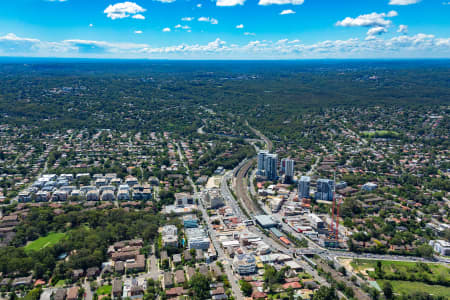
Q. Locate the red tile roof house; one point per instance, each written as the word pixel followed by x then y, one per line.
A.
pixel 176 291
pixel 294 285
pixel 258 295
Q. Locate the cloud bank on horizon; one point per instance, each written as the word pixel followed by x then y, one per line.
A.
pixel 277 29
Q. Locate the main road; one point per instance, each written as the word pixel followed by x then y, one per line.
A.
pixel 231 278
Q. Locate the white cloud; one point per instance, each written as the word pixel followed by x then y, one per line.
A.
pixel 280 2
pixel 199 5
pixel 138 17
pixel 392 13
pixel 56 0
pixel 369 20
pixel 187 19
pixel 167 29
pixel 287 12
pixel 123 10
pixel 419 45
pixel 209 20
pixel 13 37
pixel 376 30
pixel 138 31
pixel 240 26
pixel 179 26
pixel 230 2
pixel 91 25
pixel 403 2
pixel 402 29
pixel 249 33
pixel 165 1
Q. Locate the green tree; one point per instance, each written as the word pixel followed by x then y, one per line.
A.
pixel 325 293
pixel 425 250
pixel 200 286
pixel 246 288
pixel 388 290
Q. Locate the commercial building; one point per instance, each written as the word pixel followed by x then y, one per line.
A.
pixel 197 238
pixel 213 199
pixel 316 222
pixel 287 168
pixel 267 165
pixel 303 187
pixel 261 162
pixel 266 221
pixel 244 264
pixel 169 235
pixel 270 166
pixel 183 199
pixel 324 189
pixel 190 221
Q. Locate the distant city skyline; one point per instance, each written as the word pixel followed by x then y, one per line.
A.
pixel 225 29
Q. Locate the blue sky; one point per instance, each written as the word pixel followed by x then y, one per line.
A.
pixel 226 29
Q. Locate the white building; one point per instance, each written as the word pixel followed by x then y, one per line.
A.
pixel 183 199
pixel 169 235
pixel 244 264
pixel 197 238
pixel 440 246
pixel 369 186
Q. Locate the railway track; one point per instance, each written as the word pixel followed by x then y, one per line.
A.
pixel 242 173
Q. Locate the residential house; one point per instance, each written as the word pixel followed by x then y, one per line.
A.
pixel 116 288
pixel 72 293
pixel 60 294
pixel 119 267
pixel 92 272
pixel 167 280
pixel 77 274
pixel 179 277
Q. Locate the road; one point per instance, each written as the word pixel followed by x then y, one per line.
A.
pixel 153 271
pixel 268 142
pixel 87 290
pixel 227 265
pixel 242 193
pixel 221 254
pixel 273 244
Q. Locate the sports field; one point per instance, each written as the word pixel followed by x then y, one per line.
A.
pixel 46 241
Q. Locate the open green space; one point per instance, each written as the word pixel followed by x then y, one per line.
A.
pixel 433 271
pixel 407 277
pixel 61 283
pixel 408 287
pixel 380 133
pixel 104 290
pixel 46 241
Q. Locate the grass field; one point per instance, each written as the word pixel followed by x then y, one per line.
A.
pixel 407 287
pixel 46 241
pixel 104 290
pixel 380 133
pixel 399 266
pixel 434 272
pixel 61 283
